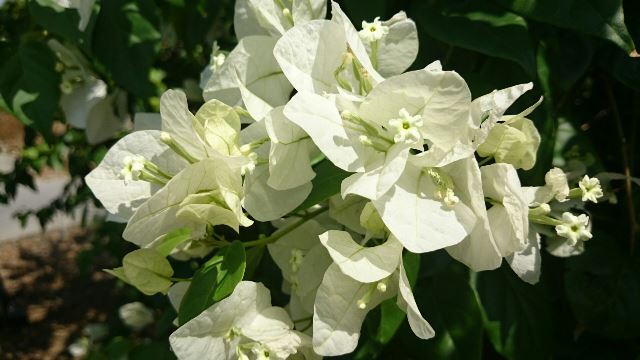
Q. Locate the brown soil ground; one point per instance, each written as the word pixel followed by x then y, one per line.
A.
pixel 41 277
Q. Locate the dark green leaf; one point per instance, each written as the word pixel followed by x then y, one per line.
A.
pixel 29 85
pixel 603 288
pixel 325 184
pixel 481 28
pixel 604 19
pixel 127 36
pixel 517 315
pixel 63 23
pixel 214 281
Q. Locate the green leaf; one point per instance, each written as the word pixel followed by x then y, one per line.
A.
pixel 604 19
pixel 516 315
pixel 482 28
pixel 214 281
pixel 127 36
pixel 391 317
pixel 62 22
pixel 29 85
pixel 603 288
pixel 168 242
pixel 325 184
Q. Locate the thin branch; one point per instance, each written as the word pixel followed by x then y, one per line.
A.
pixel 633 227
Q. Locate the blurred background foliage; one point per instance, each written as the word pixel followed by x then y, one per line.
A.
pixel 579 55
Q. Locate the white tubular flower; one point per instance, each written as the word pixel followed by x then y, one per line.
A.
pixel 373 31
pixel 556 181
pixel 591 189
pixel 135 315
pixel 406 128
pixel 133 166
pixel 574 228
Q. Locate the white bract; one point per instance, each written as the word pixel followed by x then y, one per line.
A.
pixel 407 148
pixel 85 99
pixel 135 315
pixel 243 326
pixel 359 280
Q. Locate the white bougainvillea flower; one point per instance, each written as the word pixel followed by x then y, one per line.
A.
pixel 591 189
pixel 88 106
pixel 509 219
pixel 373 139
pixel 527 262
pixel 290 149
pixel 205 193
pixel 85 100
pixel 509 213
pixel 440 98
pixel 359 280
pixel 119 196
pixel 242 326
pixel 302 260
pixel 252 63
pixel 323 56
pixel 513 140
pixel 424 211
pixel 487 110
pixel 478 250
pixel 574 228
pixel 135 315
pixel 394 50
pixel 274 17
pixel 263 202
pixel 347 211
pixel 213 131
pixel 216 60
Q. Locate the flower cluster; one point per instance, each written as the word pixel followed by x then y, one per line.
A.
pixel 429 168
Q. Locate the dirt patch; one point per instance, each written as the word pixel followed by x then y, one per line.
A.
pixel 41 278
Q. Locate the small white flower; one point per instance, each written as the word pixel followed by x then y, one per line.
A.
pixel 373 31
pixel 406 128
pixel 574 228
pixel 591 189
pixel 135 315
pixel 133 166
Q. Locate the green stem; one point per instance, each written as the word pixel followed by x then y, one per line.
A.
pixel 279 234
pixel 485 160
pixel 180 279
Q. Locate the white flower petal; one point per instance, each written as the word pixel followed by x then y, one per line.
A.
pixel 363 264
pixel 337 319
pixel 120 197
pixel 319 118
pixel 420 222
pixel 289 158
pixel 309 54
pixel 509 221
pixel 374 183
pixel 526 263
pixel 158 215
pixel 399 48
pixel 252 62
pixel 478 250
pixel 407 302
pixel 265 203
pixel 177 120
